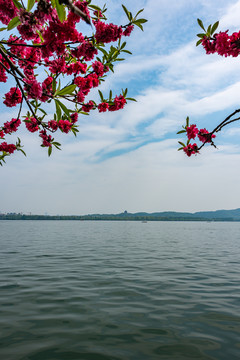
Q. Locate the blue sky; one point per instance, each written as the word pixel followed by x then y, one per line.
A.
pixel 128 160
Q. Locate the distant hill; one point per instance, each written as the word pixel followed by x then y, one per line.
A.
pixel 218 215
pixel 234 214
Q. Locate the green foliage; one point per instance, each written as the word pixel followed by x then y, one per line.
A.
pixel 207 33
pixel 134 20
pixel 60 11
pixel 30 4
pixel 13 23
pixel 17 4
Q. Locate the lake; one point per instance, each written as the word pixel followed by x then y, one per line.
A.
pixel 81 290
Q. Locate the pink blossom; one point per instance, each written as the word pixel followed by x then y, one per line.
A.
pixel 8 148
pixel 65 125
pixel 118 103
pixel 191 149
pixel 106 33
pixel 31 124
pixel 46 88
pixel 128 30
pixel 33 88
pixel 98 68
pixel 80 97
pixel 192 131
pixel 102 107
pixel 76 68
pixel 53 125
pixel 88 106
pixel 13 97
pixel 7 11
pixel 205 136
pixel 11 126
pixel 85 50
pixel 74 117
pixel 46 138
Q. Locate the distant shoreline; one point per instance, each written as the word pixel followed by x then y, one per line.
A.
pixel 119 217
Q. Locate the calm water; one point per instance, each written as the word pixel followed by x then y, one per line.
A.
pixel 119 290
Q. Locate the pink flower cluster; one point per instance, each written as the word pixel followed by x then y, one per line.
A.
pixel 46 139
pixel 7 11
pixel 11 126
pixel 223 44
pixel 65 125
pixel 106 33
pixel 191 149
pixel 118 103
pixel 203 135
pixel 13 97
pixel 43 40
pixel 32 124
pixel 8 148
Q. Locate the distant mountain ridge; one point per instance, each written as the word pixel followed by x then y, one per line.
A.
pixel 209 215
pixel 218 215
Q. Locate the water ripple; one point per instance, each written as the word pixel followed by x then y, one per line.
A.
pixel 119 291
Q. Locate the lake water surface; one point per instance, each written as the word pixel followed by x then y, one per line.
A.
pixel 86 290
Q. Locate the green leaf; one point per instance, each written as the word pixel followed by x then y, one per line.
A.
pixel 214 27
pixel 58 110
pixel 49 150
pixel 40 35
pixel 200 23
pixel 201 35
pixel 68 90
pixel 209 29
pixel 181 131
pixel 64 108
pixel 110 94
pixel 53 2
pixel 60 11
pixel 187 121
pixel 139 25
pixel 83 112
pixel 181 143
pixel 22 151
pixel 111 67
pixel 13 23
pixel 126 12
pixel 198 42
pixel 59 86
pixel 131 99
pixel 101 95
pixel 95 7
pixel 127 51
pixel 141 21
pixel 123 45
pixel 30 4
pixel 3 28
pixel 17 4
pixel 102 50
pixel 43 111
pixel 54 85
pixel 139 12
